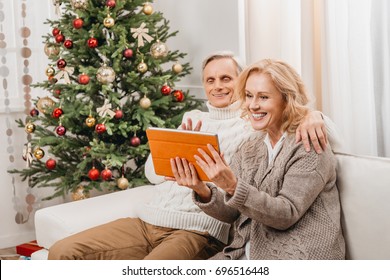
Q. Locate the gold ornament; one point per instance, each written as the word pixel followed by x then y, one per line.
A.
pixel 50 71
pixel 79 4
pixel 80 193
pixel 39 153
pixel 44 103
pixel 142 67
pixel 159 49
pixel 51 50
pixel 177 68
pixel 123 183
pixel 108 22
pixel 145 102
pixel 147 9
pixel 30 127
pixel 105 74
pixel 90 121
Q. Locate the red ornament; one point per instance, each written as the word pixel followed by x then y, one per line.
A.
pixel 135 141
pixel 178 95
pixel 57 112
pixel 128 53
pixel 61 130
pixel 57 93
pixel 118 114
pixel 110 3
pixel 165 90
pixel 106 174
pixel 34 112
pixel 51 164
pixel 92 42
pixel 78 23
pixel 68 44
pixel 100 128
pixel 55 31
pixel 83 79
pixel 60 38
pixel 61 63
pixel 93 174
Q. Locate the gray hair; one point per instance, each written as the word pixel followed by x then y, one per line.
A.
pixel 223 54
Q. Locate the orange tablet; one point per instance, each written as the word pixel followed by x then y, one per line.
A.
pixel 168 143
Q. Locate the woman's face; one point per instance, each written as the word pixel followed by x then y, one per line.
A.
pixel 219 78
pixel 264 103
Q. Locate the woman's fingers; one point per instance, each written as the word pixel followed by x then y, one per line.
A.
pixel 217 157
pixel 174 168
pixel 193 172
pixel 187 170
pixel 206 157
pixel 180 168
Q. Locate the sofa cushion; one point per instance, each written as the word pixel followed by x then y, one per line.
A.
pixel 59 221
pixel 364 185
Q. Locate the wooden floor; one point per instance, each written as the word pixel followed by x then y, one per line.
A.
pixel 9 254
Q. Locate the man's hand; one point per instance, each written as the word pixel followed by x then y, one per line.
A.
pixel 188 126
pixel 312 129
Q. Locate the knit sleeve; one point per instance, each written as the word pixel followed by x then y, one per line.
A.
pixel 216 207
pixel 305 176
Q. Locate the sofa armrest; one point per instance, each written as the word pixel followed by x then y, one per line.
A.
pixel 364 188
pixel 59 221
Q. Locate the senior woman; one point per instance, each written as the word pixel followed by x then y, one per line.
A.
pixel 283 200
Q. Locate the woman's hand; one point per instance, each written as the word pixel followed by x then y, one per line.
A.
pixel 312 129
pixel 217 169
pixel 185 174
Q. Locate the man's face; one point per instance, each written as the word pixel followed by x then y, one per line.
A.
pixel 219 77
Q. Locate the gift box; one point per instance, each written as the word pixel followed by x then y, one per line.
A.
pixel 26 249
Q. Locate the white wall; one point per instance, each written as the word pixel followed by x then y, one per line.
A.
pixel 204 26
pixel 275 29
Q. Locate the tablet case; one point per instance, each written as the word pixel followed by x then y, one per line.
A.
pixel 168 143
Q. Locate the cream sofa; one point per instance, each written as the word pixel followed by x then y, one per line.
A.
pixel 364 184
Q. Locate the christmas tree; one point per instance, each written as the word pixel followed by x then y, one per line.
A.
pixel 112 76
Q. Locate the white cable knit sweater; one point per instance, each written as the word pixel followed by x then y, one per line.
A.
pixel 172 205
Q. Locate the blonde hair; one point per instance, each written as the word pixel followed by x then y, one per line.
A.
pixel 287 81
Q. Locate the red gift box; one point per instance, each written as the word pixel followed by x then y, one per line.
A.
pixel 26 249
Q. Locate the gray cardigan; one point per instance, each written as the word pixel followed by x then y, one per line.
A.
pixel 287 210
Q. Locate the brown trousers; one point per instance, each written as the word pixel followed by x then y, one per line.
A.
pixel 133 239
